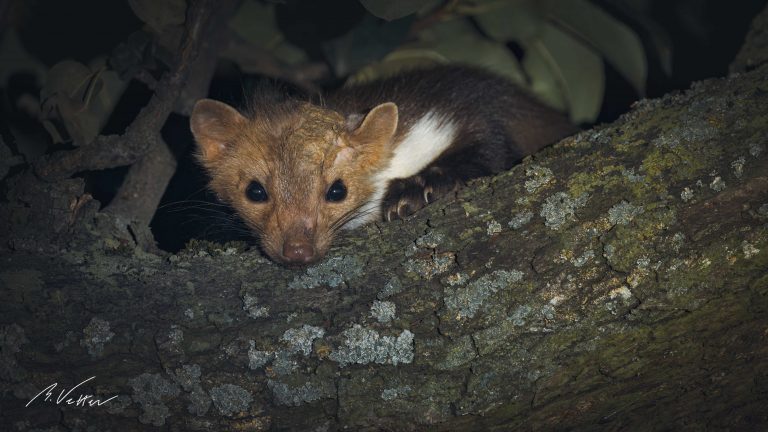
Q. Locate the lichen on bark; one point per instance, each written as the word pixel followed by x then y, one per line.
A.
pixel 615 279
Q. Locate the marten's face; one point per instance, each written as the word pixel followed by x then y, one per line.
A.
pixel 299 178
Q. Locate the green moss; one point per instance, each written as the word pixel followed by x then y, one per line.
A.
pixel 684 161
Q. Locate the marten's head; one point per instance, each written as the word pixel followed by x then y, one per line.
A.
pixel 296 173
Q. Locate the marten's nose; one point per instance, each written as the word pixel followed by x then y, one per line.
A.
pixel 297 251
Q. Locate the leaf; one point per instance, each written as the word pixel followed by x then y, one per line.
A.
pixel 458 41
pixel 79 99
pixel 566 73
pixel 392 10
pixel 638 12
pixel 368 42
pixel 160 14
pixel 620 46
pixel 396 62
pixel 544 81
pixel 506 21
pixel 256 23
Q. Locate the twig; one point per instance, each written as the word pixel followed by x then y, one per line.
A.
pixel 143 188
pixel 119 150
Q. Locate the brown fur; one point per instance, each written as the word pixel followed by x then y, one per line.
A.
pixel 466 123
pixel 296 158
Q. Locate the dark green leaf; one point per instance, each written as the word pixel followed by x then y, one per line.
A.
pixel 610 37
pixel 396 62
pixel 370 41
pixel 255 23
pixel 566 73
pixel 80 99
pixel 506 21
pixel 392 10
pixel 459 41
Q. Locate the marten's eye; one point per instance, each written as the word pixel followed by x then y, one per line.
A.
pixel 256 192
pixel 337 192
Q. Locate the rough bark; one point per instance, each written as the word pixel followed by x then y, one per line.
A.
pixel 616 280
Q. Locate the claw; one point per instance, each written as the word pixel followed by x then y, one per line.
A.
pixel 403 209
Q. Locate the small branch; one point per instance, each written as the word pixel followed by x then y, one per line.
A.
pixel 119 150
pixel 143 188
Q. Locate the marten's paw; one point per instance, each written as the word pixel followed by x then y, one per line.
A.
pixel 406 196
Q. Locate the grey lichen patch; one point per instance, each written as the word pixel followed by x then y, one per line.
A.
pixel 687 194
pixel 521 219
pixel 429 267
pixel 199 402
pixel 561 208
pixel 538 176
pixel 383 311
pixel 455 279
pixel 763 210
pixel 284 363
pixel 332 272
pixel 172 339
pixel 252 307
pixel 464 302
pixel 623 213
pixel 307 392
pixel 188 377
pixel 692 130
pixel 618 298
pixel 678 240
pixel 149 391
pixel 119 404
pixel 717 184
pixel 749 249
pixel 95 335
pixel 258 358
pixel 622 293
pixel 393 393
pixel 230 399
pixel 493 227
pixel 738 166
pixel 11 339
pixel 756 149
pixel 392 287
pixel 300 339
pixel 430 240
pixel 586 257
pixel 364 345
pixel 519 315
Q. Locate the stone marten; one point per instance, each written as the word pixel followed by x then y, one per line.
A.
pixel 297 172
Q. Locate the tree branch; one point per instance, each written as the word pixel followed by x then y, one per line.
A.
pixel 120 150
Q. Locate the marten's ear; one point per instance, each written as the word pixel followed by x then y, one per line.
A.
pixel 378 127
pixel 214 124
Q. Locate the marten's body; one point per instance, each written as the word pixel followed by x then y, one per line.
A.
pixel 297 172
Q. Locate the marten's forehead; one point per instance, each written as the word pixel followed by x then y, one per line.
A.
pixel 312 135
